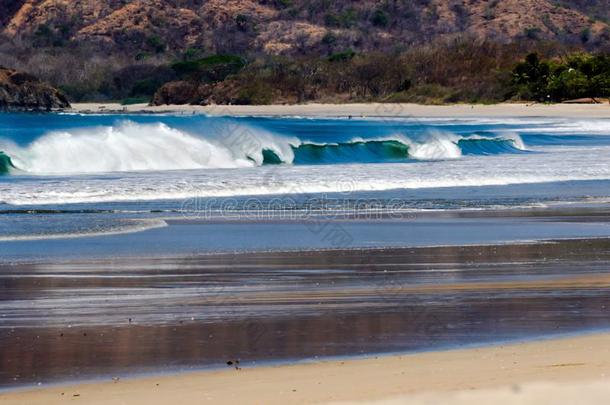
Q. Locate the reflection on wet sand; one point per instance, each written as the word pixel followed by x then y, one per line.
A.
pixel 66 321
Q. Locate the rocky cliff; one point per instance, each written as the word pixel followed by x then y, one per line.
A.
pixel 23 92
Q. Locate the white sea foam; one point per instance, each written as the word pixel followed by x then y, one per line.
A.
pixel 434 146
pixel 163 163
pixel 132 147
pixel 133 227
pixel 571 127
pixel 126 147
pixel 469 171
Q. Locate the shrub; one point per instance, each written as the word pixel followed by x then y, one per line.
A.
pixel 283 3
pixel 140 80
pixel 156 44
pixel 257 93
pixel 348 18
pixel 532 33
pixel 344 20
pixel 329 39
pixel 380 18
pixel 212 69
pixel 47 36
pixel 332 20
pixel 346 55
pixel 578 76
pixel 191 54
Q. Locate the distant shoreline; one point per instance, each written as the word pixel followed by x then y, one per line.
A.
pixel 360 110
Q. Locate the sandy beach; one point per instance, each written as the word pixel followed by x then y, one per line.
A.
pixel 501 290
pixel 549 371
pixel 365 110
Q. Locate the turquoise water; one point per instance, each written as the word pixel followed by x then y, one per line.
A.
pixel 74 144
pixel 73 175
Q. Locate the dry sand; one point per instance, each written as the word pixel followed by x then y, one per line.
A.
pixel 370 110
pixel 568 370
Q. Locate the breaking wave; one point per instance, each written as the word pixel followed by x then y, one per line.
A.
pixel 132 147
pixel 6 164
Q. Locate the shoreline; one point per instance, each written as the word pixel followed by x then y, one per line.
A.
pixel 517 368
pixel 370 110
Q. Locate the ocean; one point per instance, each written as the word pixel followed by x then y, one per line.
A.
pixel 74 175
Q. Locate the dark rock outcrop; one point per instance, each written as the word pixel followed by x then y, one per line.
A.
pixel 24 92
pixel 191 92
pixel 181 92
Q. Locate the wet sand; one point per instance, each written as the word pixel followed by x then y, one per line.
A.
pixel 77 320
pixel 573 370
pixel 366 110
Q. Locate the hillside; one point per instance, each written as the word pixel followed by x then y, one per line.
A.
pixel 292 26
pixel 120 49
pixel 597 9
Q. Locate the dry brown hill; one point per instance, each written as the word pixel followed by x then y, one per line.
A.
pixel 293 26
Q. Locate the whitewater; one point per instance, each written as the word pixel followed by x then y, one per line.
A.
pixel 76 159
pixel 129 147
pixel 70 175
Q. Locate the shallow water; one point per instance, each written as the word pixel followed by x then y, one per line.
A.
pixel 191 236
pixel 109 318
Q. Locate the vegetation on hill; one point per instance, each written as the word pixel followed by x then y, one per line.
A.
pixel 420 74
pixel 576 76
pixel 596 9
pixel 263 51
pixel 479 72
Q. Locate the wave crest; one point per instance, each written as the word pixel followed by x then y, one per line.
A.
pixel 122 148
pixel 129 147
pixel 6 164
pixel 432 146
